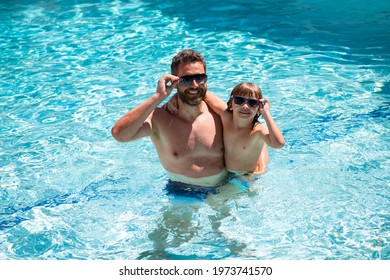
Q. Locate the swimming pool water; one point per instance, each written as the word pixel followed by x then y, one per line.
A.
pixel 70 69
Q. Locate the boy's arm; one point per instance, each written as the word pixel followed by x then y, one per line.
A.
pixel 137 122
pixel 217 104
pixel 273 137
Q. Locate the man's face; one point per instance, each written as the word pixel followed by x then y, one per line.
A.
pixel 192 92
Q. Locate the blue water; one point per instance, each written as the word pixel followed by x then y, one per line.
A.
pixel 70 69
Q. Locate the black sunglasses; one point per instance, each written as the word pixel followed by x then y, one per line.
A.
pixel 187 80
pixel 239 100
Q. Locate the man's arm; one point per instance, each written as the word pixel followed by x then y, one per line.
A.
pixel 137 122
pixel 217 104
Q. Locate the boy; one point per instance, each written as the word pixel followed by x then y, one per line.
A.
pixel 245 138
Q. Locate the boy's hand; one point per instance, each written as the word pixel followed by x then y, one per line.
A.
pixel 265 106
pixel 172 105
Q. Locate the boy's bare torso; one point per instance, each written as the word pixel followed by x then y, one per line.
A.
pixel 243 147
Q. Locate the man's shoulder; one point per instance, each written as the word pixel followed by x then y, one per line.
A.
pixel 227 116
pixel 160 112
pixel 160 115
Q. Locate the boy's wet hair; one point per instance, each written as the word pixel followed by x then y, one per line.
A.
pixel 246 89
pixel 184 57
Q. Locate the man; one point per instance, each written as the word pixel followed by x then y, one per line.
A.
pixel 189 143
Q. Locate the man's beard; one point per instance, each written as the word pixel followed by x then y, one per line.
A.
pixel 192 100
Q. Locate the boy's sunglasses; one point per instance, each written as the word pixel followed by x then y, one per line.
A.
pixel 187 80
pixel 239 100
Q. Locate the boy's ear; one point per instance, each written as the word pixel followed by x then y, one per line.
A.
pixel 229 104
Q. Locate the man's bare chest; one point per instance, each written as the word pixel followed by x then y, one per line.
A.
pixel 193 139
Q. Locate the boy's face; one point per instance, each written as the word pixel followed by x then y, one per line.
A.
pixel 245 107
